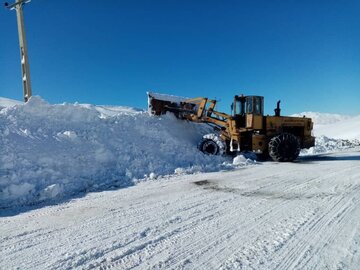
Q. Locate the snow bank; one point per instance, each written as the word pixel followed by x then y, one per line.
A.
pixel 333 132
pixel 49 151
pixel 335 126
pixel 6 102
pixel 324 144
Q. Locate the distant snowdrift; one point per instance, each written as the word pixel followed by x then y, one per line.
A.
pixel 333 132
pixel 334 125
pixel 52 150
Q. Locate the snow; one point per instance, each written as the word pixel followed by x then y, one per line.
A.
pixel 324 144
pixel 301 215
pixel 82 148
pixel 166 97
pixel 334 132
pixel 6 102
pixel 163 204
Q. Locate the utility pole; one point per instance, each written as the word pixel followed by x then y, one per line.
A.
pixel 25 69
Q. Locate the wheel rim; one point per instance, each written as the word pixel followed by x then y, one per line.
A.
pixel 209 147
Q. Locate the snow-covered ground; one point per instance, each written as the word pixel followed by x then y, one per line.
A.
pixel 176 208
pixel 302 215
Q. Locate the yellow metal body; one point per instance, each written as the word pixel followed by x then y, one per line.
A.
pixel 254 121
pixel 261 128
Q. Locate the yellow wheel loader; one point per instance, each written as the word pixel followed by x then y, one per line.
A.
pixel 246 129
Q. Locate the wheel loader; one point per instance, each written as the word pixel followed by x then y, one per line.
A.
pixel 245 129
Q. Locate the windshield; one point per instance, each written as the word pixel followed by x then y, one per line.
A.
pixel 255 105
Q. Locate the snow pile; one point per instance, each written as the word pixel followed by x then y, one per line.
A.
pixel 106 111
pixel 49 151
pixel 246 158
pixel 333 132
pixel 6 102
pixel 324 144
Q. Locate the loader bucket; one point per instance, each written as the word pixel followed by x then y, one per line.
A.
pixel 159 104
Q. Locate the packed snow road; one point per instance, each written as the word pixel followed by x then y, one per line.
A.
pixel 303 215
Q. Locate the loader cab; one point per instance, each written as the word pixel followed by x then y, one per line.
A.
pixel 248 111
pixel 248 105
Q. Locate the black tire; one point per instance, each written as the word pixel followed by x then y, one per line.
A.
pixel 211 144
pixel 284 147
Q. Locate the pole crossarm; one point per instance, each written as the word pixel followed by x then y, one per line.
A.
pixel 16 4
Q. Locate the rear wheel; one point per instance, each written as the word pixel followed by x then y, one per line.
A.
pixel 212 144
pixel 284 147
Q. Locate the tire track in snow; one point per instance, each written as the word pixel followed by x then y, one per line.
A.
pixel 241 238
pixel 261 222
pixel 223 232
pixel 270 213
pixel 228 230
pixel 199 227
pixel 136 239
pixel 327 225
pixel 167 238
pixel 313 221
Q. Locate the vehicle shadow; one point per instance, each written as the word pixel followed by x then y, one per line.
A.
pixel 326 157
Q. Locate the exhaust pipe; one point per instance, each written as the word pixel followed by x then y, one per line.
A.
pixel 277 109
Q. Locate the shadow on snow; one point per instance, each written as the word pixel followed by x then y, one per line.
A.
pixel 23 208
pixel 327 157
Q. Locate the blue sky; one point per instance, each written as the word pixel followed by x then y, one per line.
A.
pixel 306 53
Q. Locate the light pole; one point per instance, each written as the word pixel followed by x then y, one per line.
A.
pixel 25 69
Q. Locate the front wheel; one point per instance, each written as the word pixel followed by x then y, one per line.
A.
pixel 212 144
pixel 284 147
